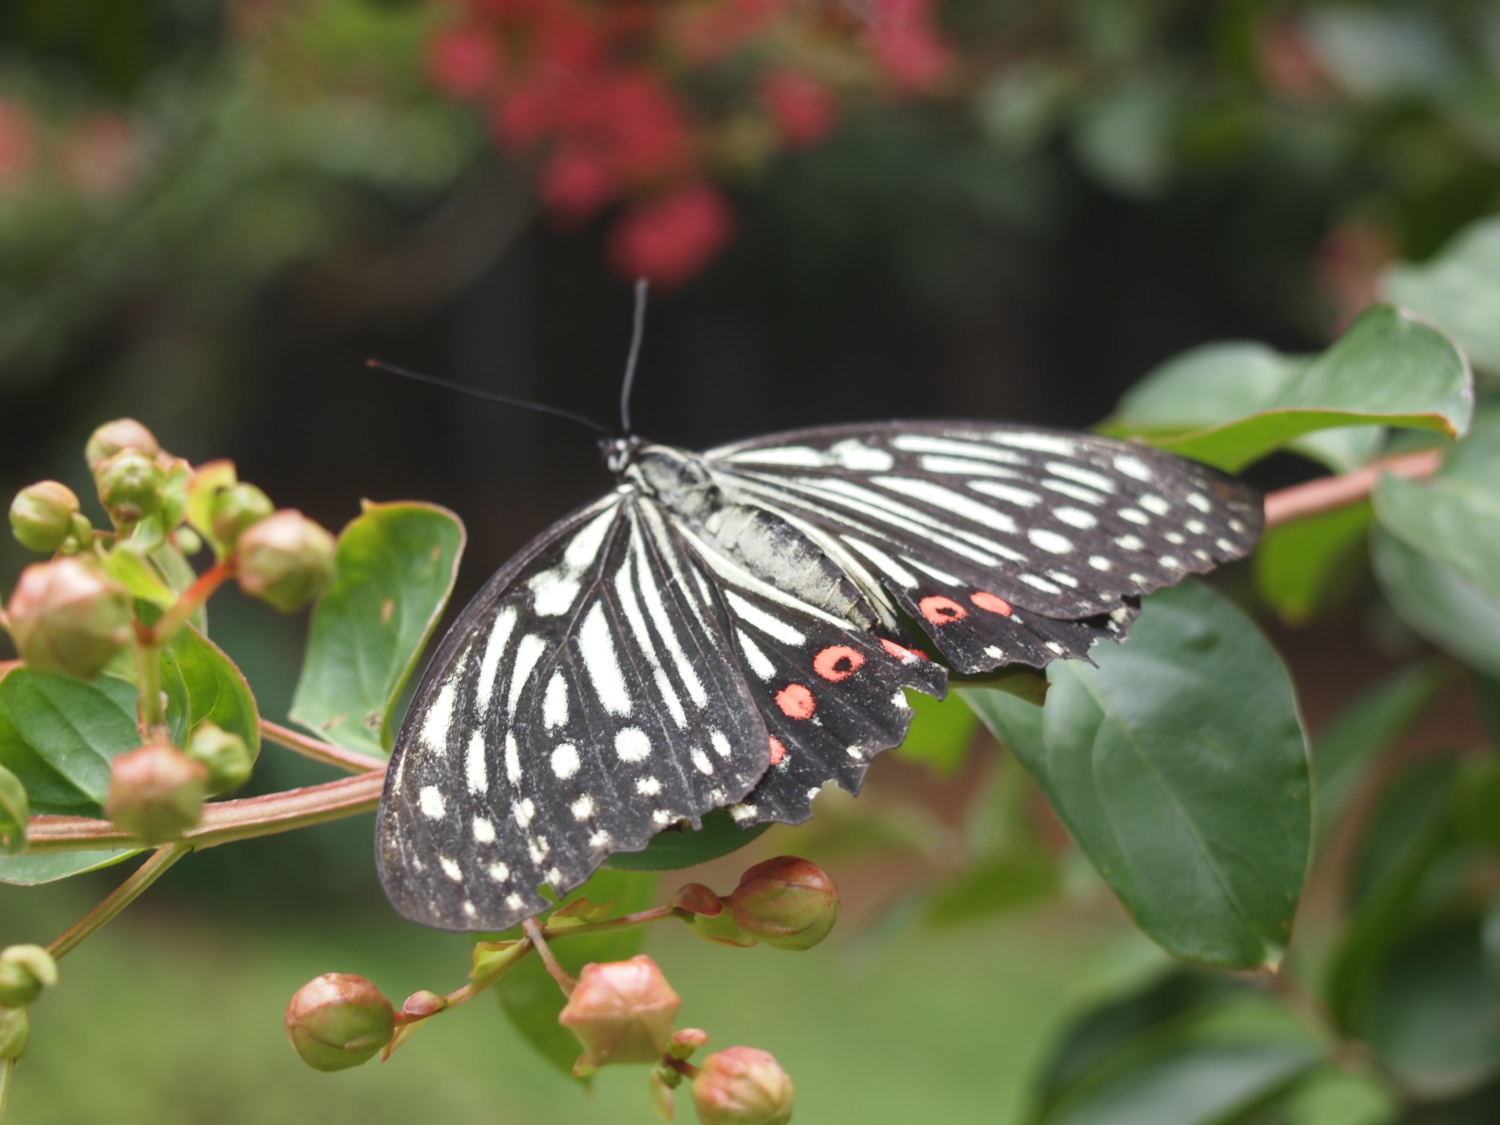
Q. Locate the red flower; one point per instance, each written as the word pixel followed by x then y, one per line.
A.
pixel 906 45
pixel 17 142
pixel 802 107
pixel 463 62
pixel 576 183
pixel 671 238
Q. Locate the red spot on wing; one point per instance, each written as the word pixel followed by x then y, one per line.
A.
pixel 778 752
pixel 837 662
pixel 796 702
pixel 940 610
pixel 900 652
pixel 986 600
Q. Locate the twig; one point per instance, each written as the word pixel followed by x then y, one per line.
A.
pixel 1327 493
pixel 191 600
pixel 318 750
pixel 623 922
pixel 118 899
pixel 539 940
pixel 7 1066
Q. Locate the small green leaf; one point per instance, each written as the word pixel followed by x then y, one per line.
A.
pixel 1180 767
pixel 203 684
pixel 1298 566
pixel 941 732
pixel 531 998
pixel 15 810
pixel 1438 603
pixel 134 571
pixel 1458 289
pixel 395 569
pixel 1389 369
pixel 34 870
pixel 675 848
pixel 580 912
pixel 58 735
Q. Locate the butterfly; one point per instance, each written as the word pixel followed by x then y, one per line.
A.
pixel 733 629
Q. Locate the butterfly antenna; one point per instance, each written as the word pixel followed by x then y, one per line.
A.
pixel 637 333
pixel 488 396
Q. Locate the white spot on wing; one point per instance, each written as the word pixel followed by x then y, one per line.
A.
pixel 484 831
pixel 648 787
pixel 1050 540
pixel 759 663
pixel 851 454
pixel 701 762
pixel 512 759
pixel 1098 562
pixel 1080 475
pixel 450 869
pixel 476 769
pixel 1159 505
pixel 1134 516
pixel 565 761
pixel 752 614
pixel 883 562
pixel 720 744
pixel 528 652
pixel 602 662
pixel 1006 492
pixel 498 872
pixel 798 456
pixel 946 500
pixel 1076 517
pixel 1132 467
pixel 632 745
pixel 439 717
pixel 494 651
pixel 583 808
pixel 1131 543
pixel 430 801
pixel 555 702
pixel 523 810
pixel 1041 584
pixel 1042 443
pixel 1199 501
pixel 742 813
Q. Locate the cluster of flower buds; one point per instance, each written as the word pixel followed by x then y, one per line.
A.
pixel 24 971
pixel 633 103
pixel 339 1020
pixel 786 903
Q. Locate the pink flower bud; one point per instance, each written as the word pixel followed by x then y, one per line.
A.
pixel 786 902
pixel 742 1086
pixel 621 1012
pixel 338 1020
pixel 420 1005
pixel 156 792
pixel 41 515
pixel 285 559
pixel 67 617
pixel 112 437
pixel 686 1041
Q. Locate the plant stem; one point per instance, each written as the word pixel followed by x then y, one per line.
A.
pixel 318 750
pixel 152 714
pixel 554 967
pixel 1328 493
pixel 118 899
pixel 7 1066
pixel 623 922
pixel 681 1066
pixel 191 600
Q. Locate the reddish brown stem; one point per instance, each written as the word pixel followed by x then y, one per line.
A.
pixel 623 922
pixel 681 1066
pixel 554 967
pixel 318 750
pixel 191 600
pixel 1327 493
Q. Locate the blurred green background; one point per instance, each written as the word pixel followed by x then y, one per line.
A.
pixel 212 212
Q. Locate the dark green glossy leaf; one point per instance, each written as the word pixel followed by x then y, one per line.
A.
pixel 204 684
pixel 58 735
pixel 675 849
pixel 1298 566
pixel 15 810
pixel 33 870
pixel 1180 766
pixel 1388 369
pixel 941 732
pixel 995 885
pixel 396 565
pixel 1458 289
pixel 532 1000
pixel 1437 603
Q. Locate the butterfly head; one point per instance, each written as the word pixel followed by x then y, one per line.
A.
pixel 619 453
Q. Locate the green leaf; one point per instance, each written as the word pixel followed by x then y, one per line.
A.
pixel 1437 603
pixel 1180 766
pixel 395 568
pixel 995 885
pixel 531 998
pixel 1388 369
pixel 941 732
pixel 57 735
pixel 1298 566
pixel 134 571
pixel 33 870
pixel 203 684
pixel 15 810
pixel 675 848
pixel 1434 1016
pixel 1459 289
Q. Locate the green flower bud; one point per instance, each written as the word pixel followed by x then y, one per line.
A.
pixel 285 559
pixel 237 508
pixel 224 754
pixel 15 1032
pixel 112 437
pixel 685 1042
pixel 742 1086
pixel 67 617
pixel 786 902
pixel 130 486
pixel 156 792
pixel 24 971
pixel 706 916
pixel 41 515
pixel 621 1012
pixel 424 1003
pixel 338 1020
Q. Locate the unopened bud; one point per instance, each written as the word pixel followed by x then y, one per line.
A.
pixel 285 559
pixel 130 486
pixel 621 1012
pixel 156 792
pixel 112 437
pixel 420 1005
pixel 24 971
pixel 685 1042
pixel 338 1020
pixel 706 915
pixel 786 902
pixel 237 508
pixel 15 1032
pixel 225 755
pixel 41 515
pixel 742 1086
pixel 67 617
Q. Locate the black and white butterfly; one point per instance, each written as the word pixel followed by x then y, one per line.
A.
pixel 735 628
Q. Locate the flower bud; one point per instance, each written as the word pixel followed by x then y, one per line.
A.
pixel 236 508
pixel 621 1012
pixel 424 1003
pixel 705 914
pixel 225 755
pixel 338 1020
pixel 68 617
pixel 24 971
pixel 15 1032
pixel 285 560
pixel 742 1086
pixel 41 515
pixel 112 437
pixel 786 902
pixel 156 792
pixel 685 1042
pixel 130 486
